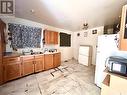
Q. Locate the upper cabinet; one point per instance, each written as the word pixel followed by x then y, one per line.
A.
pixel 50 37
pixel 123 30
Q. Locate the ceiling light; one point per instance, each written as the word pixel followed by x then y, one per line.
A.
pixel 85 26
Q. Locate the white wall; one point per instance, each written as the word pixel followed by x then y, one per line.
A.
pixel 66 52
pixel 91 39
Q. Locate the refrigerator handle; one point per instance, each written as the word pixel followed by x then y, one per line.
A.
pixel 106 61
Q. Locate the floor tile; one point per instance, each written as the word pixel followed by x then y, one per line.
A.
pixel 76 79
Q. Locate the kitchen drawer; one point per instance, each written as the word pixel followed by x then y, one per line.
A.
pixel 11 59
pixel 39 56
pixel 25 58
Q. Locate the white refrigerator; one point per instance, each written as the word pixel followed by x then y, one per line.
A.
pixel 107 45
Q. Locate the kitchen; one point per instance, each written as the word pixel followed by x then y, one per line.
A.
pixel 41 59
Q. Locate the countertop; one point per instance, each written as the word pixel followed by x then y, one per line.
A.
pixel 114 74
pixel 21 55
pixel 11 55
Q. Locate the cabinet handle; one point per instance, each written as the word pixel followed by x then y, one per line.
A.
pixel 34 62
pixel 3 68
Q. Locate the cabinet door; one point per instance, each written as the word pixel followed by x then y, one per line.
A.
pixel 55 37
pixel 12 70
pixel 57 60
pixel 48 61
pixel 39 64
pixel 51 37
pixel 105 90
pixel 123 30
pixel 47 37
pixel 28 67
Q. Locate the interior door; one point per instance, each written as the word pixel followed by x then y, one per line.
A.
pixel 2 48
pixel 1 69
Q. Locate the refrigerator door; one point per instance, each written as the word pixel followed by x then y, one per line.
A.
pixel 107 43
pixel 106 46
pixel 100 67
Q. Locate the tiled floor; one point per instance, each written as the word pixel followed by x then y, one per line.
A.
pixel 76 80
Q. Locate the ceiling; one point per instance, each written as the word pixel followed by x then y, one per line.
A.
pixel 70 14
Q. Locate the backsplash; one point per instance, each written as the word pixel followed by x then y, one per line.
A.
pixel 25 36
pixel 42 49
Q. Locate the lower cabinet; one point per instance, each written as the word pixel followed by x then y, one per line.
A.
pixel 16 67
pixel 48 61
pixel 12 69
pixel 39 63
pixel 114 84
pixel 57 60
pixel 27 65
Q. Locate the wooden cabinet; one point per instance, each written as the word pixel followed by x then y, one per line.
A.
pixel 39 63
pixel 27 65
pixel 47 35
pixel 48 61
pixel 16 66
pixel 50 37
pixel 52 60
pixel 56 34
pixel 123 30
pixel 105 86
pixel 2 48
pixel 12 68
pixel 57 60
pixel 114 84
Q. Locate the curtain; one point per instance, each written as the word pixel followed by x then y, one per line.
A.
pixel 25 36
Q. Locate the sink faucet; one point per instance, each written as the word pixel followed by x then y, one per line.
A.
pixel 55 50
pixel 23 52
pixel 31 51
pixel 45 50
